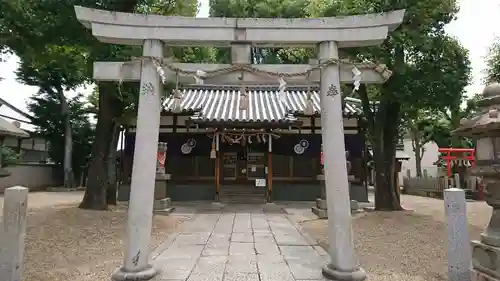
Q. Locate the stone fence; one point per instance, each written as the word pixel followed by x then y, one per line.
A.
pixel 434 186
pixel 34 176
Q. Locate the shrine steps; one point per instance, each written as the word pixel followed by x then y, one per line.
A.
pixel 242 194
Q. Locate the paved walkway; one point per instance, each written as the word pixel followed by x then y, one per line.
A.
pixel 240 245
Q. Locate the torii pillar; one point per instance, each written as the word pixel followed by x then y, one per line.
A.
pixel 151 31
pixel 344 265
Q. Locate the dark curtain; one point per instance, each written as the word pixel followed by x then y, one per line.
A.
pixel 202 144
pixel 285 145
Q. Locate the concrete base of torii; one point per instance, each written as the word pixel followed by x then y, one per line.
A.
pixel 121 274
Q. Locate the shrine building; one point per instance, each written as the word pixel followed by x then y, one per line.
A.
pixel 268 152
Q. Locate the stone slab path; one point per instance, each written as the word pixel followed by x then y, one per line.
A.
pixel 238 246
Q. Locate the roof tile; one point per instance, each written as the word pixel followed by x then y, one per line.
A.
pixel 265 105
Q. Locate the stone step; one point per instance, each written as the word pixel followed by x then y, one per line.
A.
pixel 229 196
pixel 251 190
pixel 162 204
pixel 164 212
pixel 321 213
pixel 261 199
pixel 263 195
pixel 244 201
pixel 229 193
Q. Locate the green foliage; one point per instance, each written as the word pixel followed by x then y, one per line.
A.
pixel 437 125
pixel 45 108
pixel 430 72
pixel 493 63
pixel 258 8
pixel 54 68
pixel 57 53
pixel 264 9
pixel 9 156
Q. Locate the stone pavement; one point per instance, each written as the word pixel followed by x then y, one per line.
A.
pixel 240 245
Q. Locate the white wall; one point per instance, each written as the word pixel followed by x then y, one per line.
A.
pixel 33 176
pixel 431 155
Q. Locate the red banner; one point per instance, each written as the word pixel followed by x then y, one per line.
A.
pixel 161 157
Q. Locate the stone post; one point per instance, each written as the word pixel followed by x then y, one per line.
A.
pixel 343 264
pixel 136 265
pixel 456 179
pixel 13 233
pixel 321 209
pixel 459 253
pixel 321 203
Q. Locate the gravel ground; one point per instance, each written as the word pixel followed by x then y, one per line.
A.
pixel 407 245
pixel 67 243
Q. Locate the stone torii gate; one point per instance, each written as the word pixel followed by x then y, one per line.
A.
pixel 153 32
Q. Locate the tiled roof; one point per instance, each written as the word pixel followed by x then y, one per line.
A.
pixel 265 105
pixel 9 129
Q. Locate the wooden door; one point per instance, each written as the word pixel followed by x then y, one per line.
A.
pixel 229 166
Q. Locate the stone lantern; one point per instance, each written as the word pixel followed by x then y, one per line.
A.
pixel 485 129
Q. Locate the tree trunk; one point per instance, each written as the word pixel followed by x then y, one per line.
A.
pixel 95 193
pixel 69 179
pixel 97 182
pixel 455 123
pixel 385 139
pixel 417 149
pixel 111 164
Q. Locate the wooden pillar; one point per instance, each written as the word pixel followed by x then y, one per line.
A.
pixel 270 169
pixel 217 167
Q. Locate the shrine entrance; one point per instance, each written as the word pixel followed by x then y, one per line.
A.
pixel 328 71
pixel 243 177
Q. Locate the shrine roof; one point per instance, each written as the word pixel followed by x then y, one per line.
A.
pixel 221 104
pixel 9 129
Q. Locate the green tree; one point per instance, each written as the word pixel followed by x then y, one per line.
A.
pixel 420 127
pixel 25 30
pixel 418 55
pixel 9 156
pixel 55 69
pixel 51 125
pixel 264 9
pixel 443 57
pixel 493 63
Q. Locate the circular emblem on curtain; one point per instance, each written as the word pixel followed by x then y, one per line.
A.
pixel 191 143
pixel 188 146
pixel 304 143
pixel 301 146
pixel 186 149
pixel 298 149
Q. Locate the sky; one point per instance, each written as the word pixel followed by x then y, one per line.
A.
pixel 476 27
